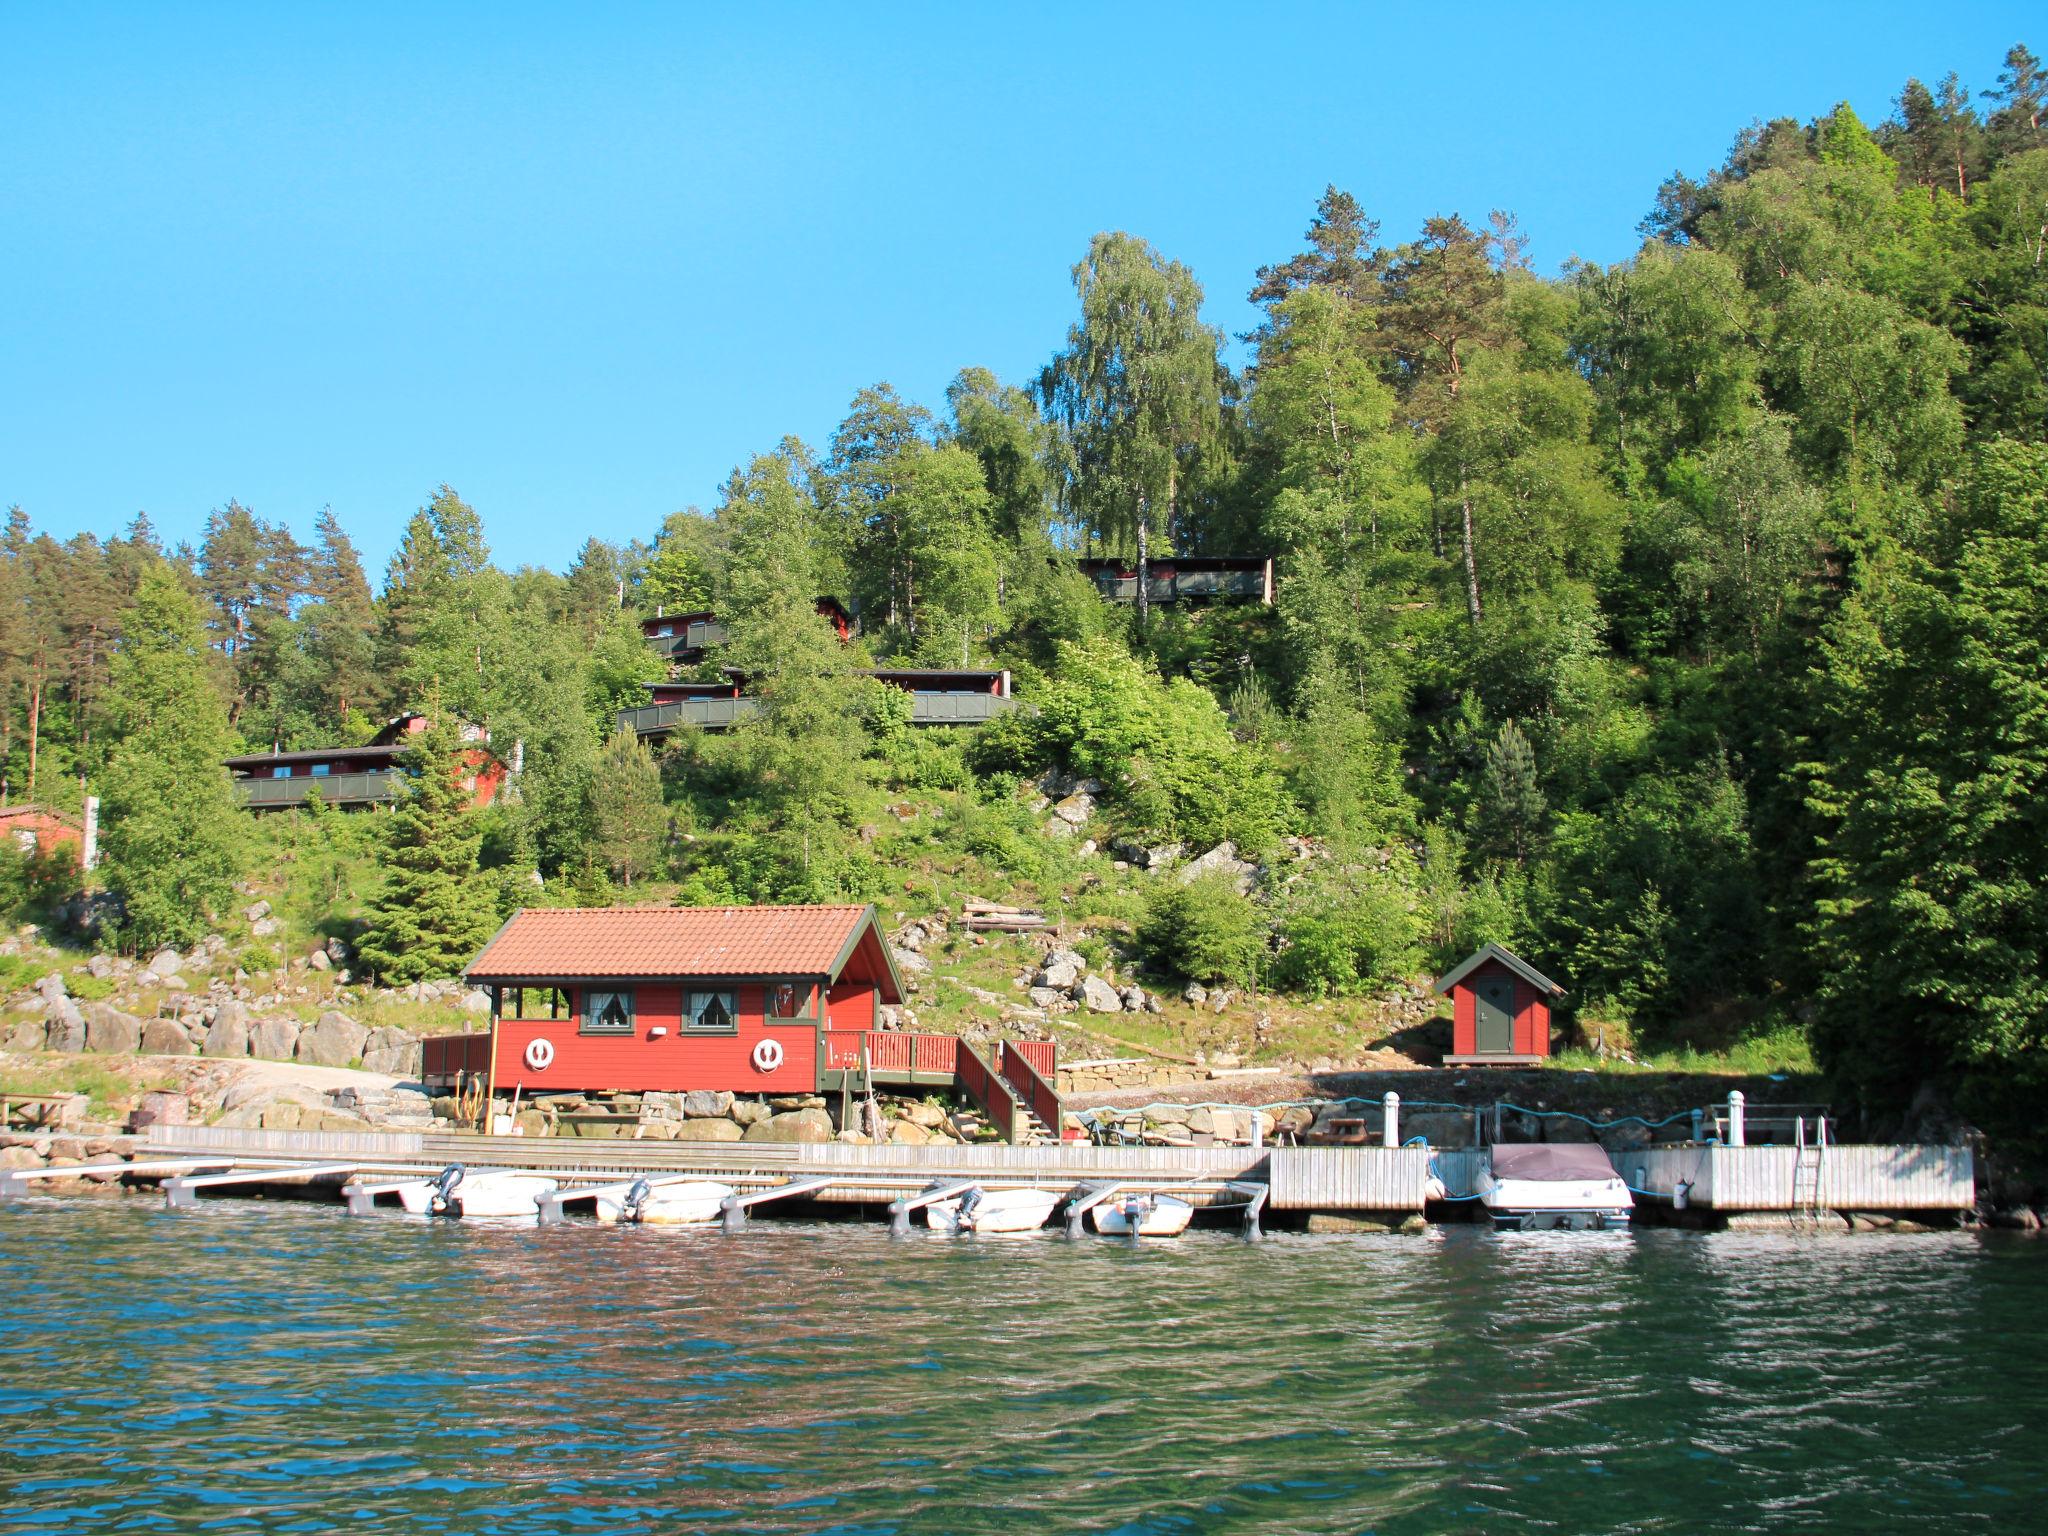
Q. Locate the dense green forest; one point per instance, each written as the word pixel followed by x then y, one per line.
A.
pixel 1679 623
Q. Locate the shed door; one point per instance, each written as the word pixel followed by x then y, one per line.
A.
pixel 1494 1001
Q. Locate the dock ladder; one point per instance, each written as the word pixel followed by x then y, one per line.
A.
pixel 1806 1166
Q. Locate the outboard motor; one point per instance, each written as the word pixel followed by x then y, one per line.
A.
pixel 444 1187
pixel 636 1197
pixel 1134 1210
pixel 968 1202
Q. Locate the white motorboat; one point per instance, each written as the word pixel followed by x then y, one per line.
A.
pixel 1141 1215
pixel 457 1191
pixel 1541 1186
pixel 418 1196
pixel 993 1210
pixel 689 1203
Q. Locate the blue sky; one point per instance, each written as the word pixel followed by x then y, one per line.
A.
pixel 580 261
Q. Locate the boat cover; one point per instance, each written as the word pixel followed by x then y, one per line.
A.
pixel 1552 1161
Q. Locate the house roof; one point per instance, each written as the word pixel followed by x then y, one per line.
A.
pixel 645 942
pixel 1513 962
pixel 30 808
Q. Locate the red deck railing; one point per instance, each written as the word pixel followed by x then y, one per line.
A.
pixel 442 1057
pixel 1027 1082
pixel 890 1051
pixel 985 1086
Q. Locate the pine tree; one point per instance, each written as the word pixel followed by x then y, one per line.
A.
pixel 632 821
pixel 434 913
pixel 174 837
pixel 1508 816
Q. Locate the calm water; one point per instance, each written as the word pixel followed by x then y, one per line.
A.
pixel 281 1368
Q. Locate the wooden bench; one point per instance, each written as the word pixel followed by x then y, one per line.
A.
pixel 32 1111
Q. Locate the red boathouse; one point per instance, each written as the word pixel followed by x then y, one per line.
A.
pixel 747 1000
pixel 1500 1010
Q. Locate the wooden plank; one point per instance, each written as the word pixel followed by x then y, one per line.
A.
pixel 1348 1178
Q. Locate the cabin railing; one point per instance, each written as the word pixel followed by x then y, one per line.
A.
pixel 891 1051
pixel 985 1086
pixel 722 714
pixel 1027 1082
pixel 445 1057
pixel 333 789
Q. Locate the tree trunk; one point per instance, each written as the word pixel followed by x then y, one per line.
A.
pixel 1471 560
pixel 1144 566
pixel 35 720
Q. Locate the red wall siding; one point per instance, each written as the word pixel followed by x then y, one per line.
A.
pixel 1532 1015
pixel 850 1004
pixel 674 1062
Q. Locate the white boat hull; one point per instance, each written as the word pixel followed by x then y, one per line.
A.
pixel 692 1203
pixel 499 1194
pixel 998 1210
pixel 417 1197
pixel 1543 1203
pixel 1142 1216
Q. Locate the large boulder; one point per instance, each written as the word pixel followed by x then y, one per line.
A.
pixel 1060 971
pixel 1222 858
pixel 905 1134
pixel 907 963
pixel 719 1129
pixel 1075 809
pixel 392 1052
pixel 806 1125
pixel 706 1104
pixel 1099 996
pixel 750 1111
pixel 476 1000
pixel 229 1033
pixel 28 1035
pixel 166 1037
pixel 65 1028
pixel 334 1041
pixel 110 1030
pixel 274 1039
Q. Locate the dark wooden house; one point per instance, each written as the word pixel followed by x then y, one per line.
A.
pixel 750 1000
pixel 1500 1010
pixel 355 776
pixel 685 638
pixel 937 697
pixel 1184 578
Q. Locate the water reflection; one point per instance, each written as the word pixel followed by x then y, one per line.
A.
pixel 249 1367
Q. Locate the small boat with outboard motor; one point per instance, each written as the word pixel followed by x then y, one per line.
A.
pixel 1543 1186
pixel 691 1202
pixel 981 1210
pixel 1142 1215
pixel 460 1191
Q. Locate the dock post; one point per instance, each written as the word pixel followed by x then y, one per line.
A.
pixel 1390 1107
pixel 360 1201
pixel 179 1196
pixel 899 1218
pixel 12 1187
pixel 1735 1135
pixel 549 1208
pixel 732 1213
pixel 1699 1125
pixel 1257 1203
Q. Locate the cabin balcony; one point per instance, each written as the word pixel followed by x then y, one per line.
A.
pixel 279 794
pixel 723 714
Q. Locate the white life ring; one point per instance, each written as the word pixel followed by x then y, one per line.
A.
pixel 767 1055
pixel 540 1053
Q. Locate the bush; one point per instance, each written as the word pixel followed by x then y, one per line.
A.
pixel 1205 930
pixel 34 882
pixel 1350 930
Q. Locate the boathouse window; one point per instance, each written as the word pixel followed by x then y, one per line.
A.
pixel 281 773
pixel 607 1013
pixel 713 1013
pixel 789 1000
pixel 533 1003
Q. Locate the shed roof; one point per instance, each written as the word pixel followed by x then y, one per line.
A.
pixel 28 809
pixel 1512 961
pixel 603 942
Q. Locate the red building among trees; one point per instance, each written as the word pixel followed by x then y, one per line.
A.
pixel 1500 1010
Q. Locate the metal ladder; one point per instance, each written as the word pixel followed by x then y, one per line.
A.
pixel 1806 1167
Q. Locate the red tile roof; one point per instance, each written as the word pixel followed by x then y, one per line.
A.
pixel 591 942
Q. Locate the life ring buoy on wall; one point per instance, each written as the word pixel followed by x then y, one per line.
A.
pixel 540 1053
pixel 767 1055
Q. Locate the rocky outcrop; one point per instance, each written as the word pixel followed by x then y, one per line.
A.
pixel 392 1052
pixel 1222 859
pixel 801 1125
pixel 335 1040
pixel 228 1035
pixel 110 1030
pixel 64 1030
pixel 166 1037
pixel 274 1039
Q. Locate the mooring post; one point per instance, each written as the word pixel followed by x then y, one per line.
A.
pixel 899 1218
pixel 1699 1125
pixel 1735 1135
pixel 1252 1234
pixel 12 1187
pixel 549 1208
pixel 1390 1107
pixel 360 1201
pixel 732 1213
pixel 179 1194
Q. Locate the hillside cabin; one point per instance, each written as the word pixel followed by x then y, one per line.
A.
pixel 1500 1010
pixel 937 697
pixel 29 828
pixel 1185 578
pixel 746 1000
pixel 684 638
pixel 356 776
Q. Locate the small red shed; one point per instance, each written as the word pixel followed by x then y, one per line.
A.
pixel 666 999
pixel 1500 1010
pixel 33 828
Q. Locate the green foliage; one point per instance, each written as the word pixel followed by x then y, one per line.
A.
pixel 631 821
pixel 1351 927
pixel 1508 816
pixel 433 914
pixel 34 881
pixel 1204 929
pixel 173 842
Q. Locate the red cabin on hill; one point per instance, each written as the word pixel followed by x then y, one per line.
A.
pixel 1500 1010
pixel 748 1000
pixel 32 828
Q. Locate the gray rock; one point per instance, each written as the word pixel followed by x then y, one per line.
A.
pixel 335 1041
pixel 1075 809
pixel 65 1029
pixel 1061 973
pixel 906 961
pixel 263 927
pixel 1099 996
pixel 1220 859
pixel 101 966
pixel 804 1125
pixel 165 1037
pixel 28 1035
pixel 392 1052
pixel 1134 999
pixel 476 1000
pixel 1195 993
pixel 319 961
pixel 1047 997
pixel 229 1033
pixel 110 1030
pixel 717 1128
pixel 257 912
pixel 1152 1004
pixel 165 962
pixel 750 1111
pixel 274 1039
pixel 706 1104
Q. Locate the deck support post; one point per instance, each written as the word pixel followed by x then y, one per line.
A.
pixel 1390 1107
pixel 179 1194
pixel 12 1186
pixel 1253 1206
pixel 732 1213
pixel 899 1218
pixel 548 1208
pixel 1735 1127
pixel 360 1201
